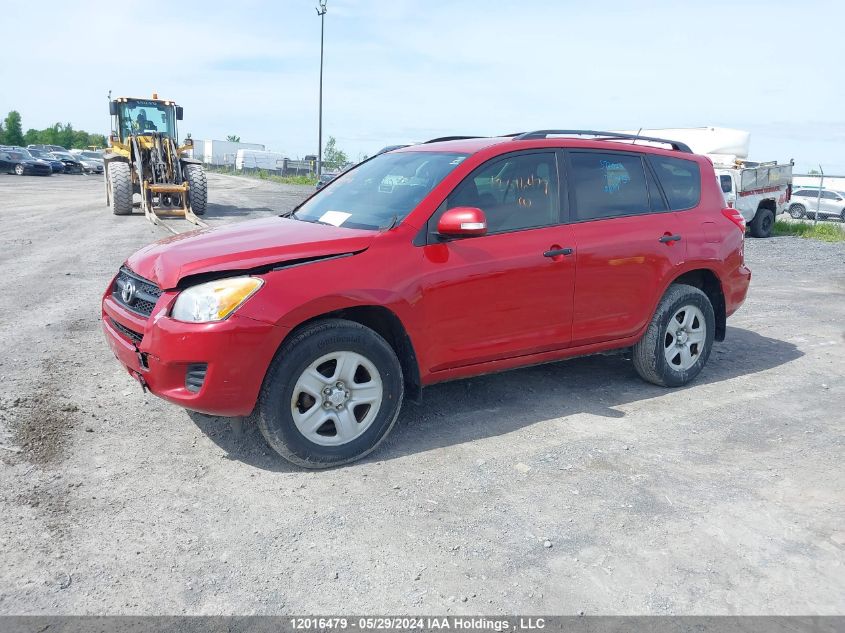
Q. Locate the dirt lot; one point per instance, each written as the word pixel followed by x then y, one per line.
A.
pixel 725 497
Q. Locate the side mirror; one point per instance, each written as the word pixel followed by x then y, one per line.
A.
pixel 113 108
pixel 179 113
pixel 462 222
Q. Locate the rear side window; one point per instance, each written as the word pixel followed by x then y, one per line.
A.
pixel 608 185
pixel 680 179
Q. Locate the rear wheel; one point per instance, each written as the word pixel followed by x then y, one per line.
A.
pixel 797 211
pixel 120 188
pixel 331 395
pixel 679 338
pixel 198 188
pixel 762 224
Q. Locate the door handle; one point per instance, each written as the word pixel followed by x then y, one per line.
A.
pixel 670 238
pixel 557 252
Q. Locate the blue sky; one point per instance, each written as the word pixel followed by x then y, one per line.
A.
pixel 403 70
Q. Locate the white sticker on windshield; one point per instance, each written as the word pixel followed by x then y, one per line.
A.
pixel 458 160
pixel 335 217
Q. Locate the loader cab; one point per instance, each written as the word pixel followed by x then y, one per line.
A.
pixel 140 116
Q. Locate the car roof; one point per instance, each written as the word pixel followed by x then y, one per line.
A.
pixel 475 145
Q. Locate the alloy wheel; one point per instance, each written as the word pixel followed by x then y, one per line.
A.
pixel 685 336
pixel 336 398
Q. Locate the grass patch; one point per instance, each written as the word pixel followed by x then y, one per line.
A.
pixel 824 231
pixel 263 174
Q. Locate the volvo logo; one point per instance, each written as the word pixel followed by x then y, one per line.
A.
pixel 127 293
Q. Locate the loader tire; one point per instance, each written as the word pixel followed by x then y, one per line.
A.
pixel 120 185
pixel 198 193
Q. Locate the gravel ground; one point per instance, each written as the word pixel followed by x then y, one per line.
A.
pixel 571 487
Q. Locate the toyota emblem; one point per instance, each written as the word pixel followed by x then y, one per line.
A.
pixel 127 293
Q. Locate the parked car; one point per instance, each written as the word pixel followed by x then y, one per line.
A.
pixel 431 263
pixel 56 165
pixel 47 148
pixel 90 165
pixel 90 153
pixel 72 164
pixel 326 178
pixel 14 160
pixel 806 200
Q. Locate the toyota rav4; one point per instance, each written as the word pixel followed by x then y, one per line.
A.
pixel 433 262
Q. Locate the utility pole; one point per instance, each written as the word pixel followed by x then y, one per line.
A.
pixel 321 11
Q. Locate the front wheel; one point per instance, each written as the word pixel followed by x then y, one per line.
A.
pixel 197 188
pixel 679 338
pixel 797 211
pixel 19 170
pixel 120 186
pixel 331 395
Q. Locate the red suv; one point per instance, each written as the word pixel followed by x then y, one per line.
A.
pixel 433 262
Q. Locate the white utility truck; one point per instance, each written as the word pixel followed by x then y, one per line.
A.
pixel 760 191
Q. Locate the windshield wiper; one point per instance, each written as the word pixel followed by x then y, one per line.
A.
pixel 393 222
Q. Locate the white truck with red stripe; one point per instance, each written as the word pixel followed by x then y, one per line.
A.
pixel 760 191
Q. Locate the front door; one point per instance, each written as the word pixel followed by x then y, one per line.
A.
pixel 508 293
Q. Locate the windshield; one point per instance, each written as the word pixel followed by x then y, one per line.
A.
pixel 63 155
pixel 24 153
pixel 146 116
pixel 379 192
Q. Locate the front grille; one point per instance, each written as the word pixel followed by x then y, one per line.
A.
pixel 143 297
pixel 132 335
pixel 195 376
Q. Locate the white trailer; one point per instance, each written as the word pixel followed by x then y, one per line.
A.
pixel 221 153
pixel 259 159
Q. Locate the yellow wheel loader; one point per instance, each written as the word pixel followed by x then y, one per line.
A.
pixel 144 157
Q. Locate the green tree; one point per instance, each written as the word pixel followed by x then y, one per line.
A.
pixel 333 158
pixel 813 172
pixel 14 133
pixel 233 138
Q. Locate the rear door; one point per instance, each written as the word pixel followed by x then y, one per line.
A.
pixel 508 293
pixel 627 242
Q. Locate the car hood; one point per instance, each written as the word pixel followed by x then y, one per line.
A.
pixel 244 246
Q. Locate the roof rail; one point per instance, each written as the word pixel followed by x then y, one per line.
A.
pixel 603 136
pixel 451 138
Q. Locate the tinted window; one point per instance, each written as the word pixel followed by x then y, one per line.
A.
pixel 517 192
pixel 828 195
pixel 681 181
pixel 726 182
pixel 607 185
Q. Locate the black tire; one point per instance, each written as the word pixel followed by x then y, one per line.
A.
pixel 842 215
pixel 275 418
pixel 649 353
pixel 763 223
pixel 120 184
pixel 797 211
pixel 19 169
pixel 198 188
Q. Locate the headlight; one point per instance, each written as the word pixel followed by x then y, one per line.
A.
pixel 214 300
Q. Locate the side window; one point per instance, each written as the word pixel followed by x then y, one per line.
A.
pixel 828 195
pixel 608 185
pixel 726 182
pixel 516 192
pixel 681 180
